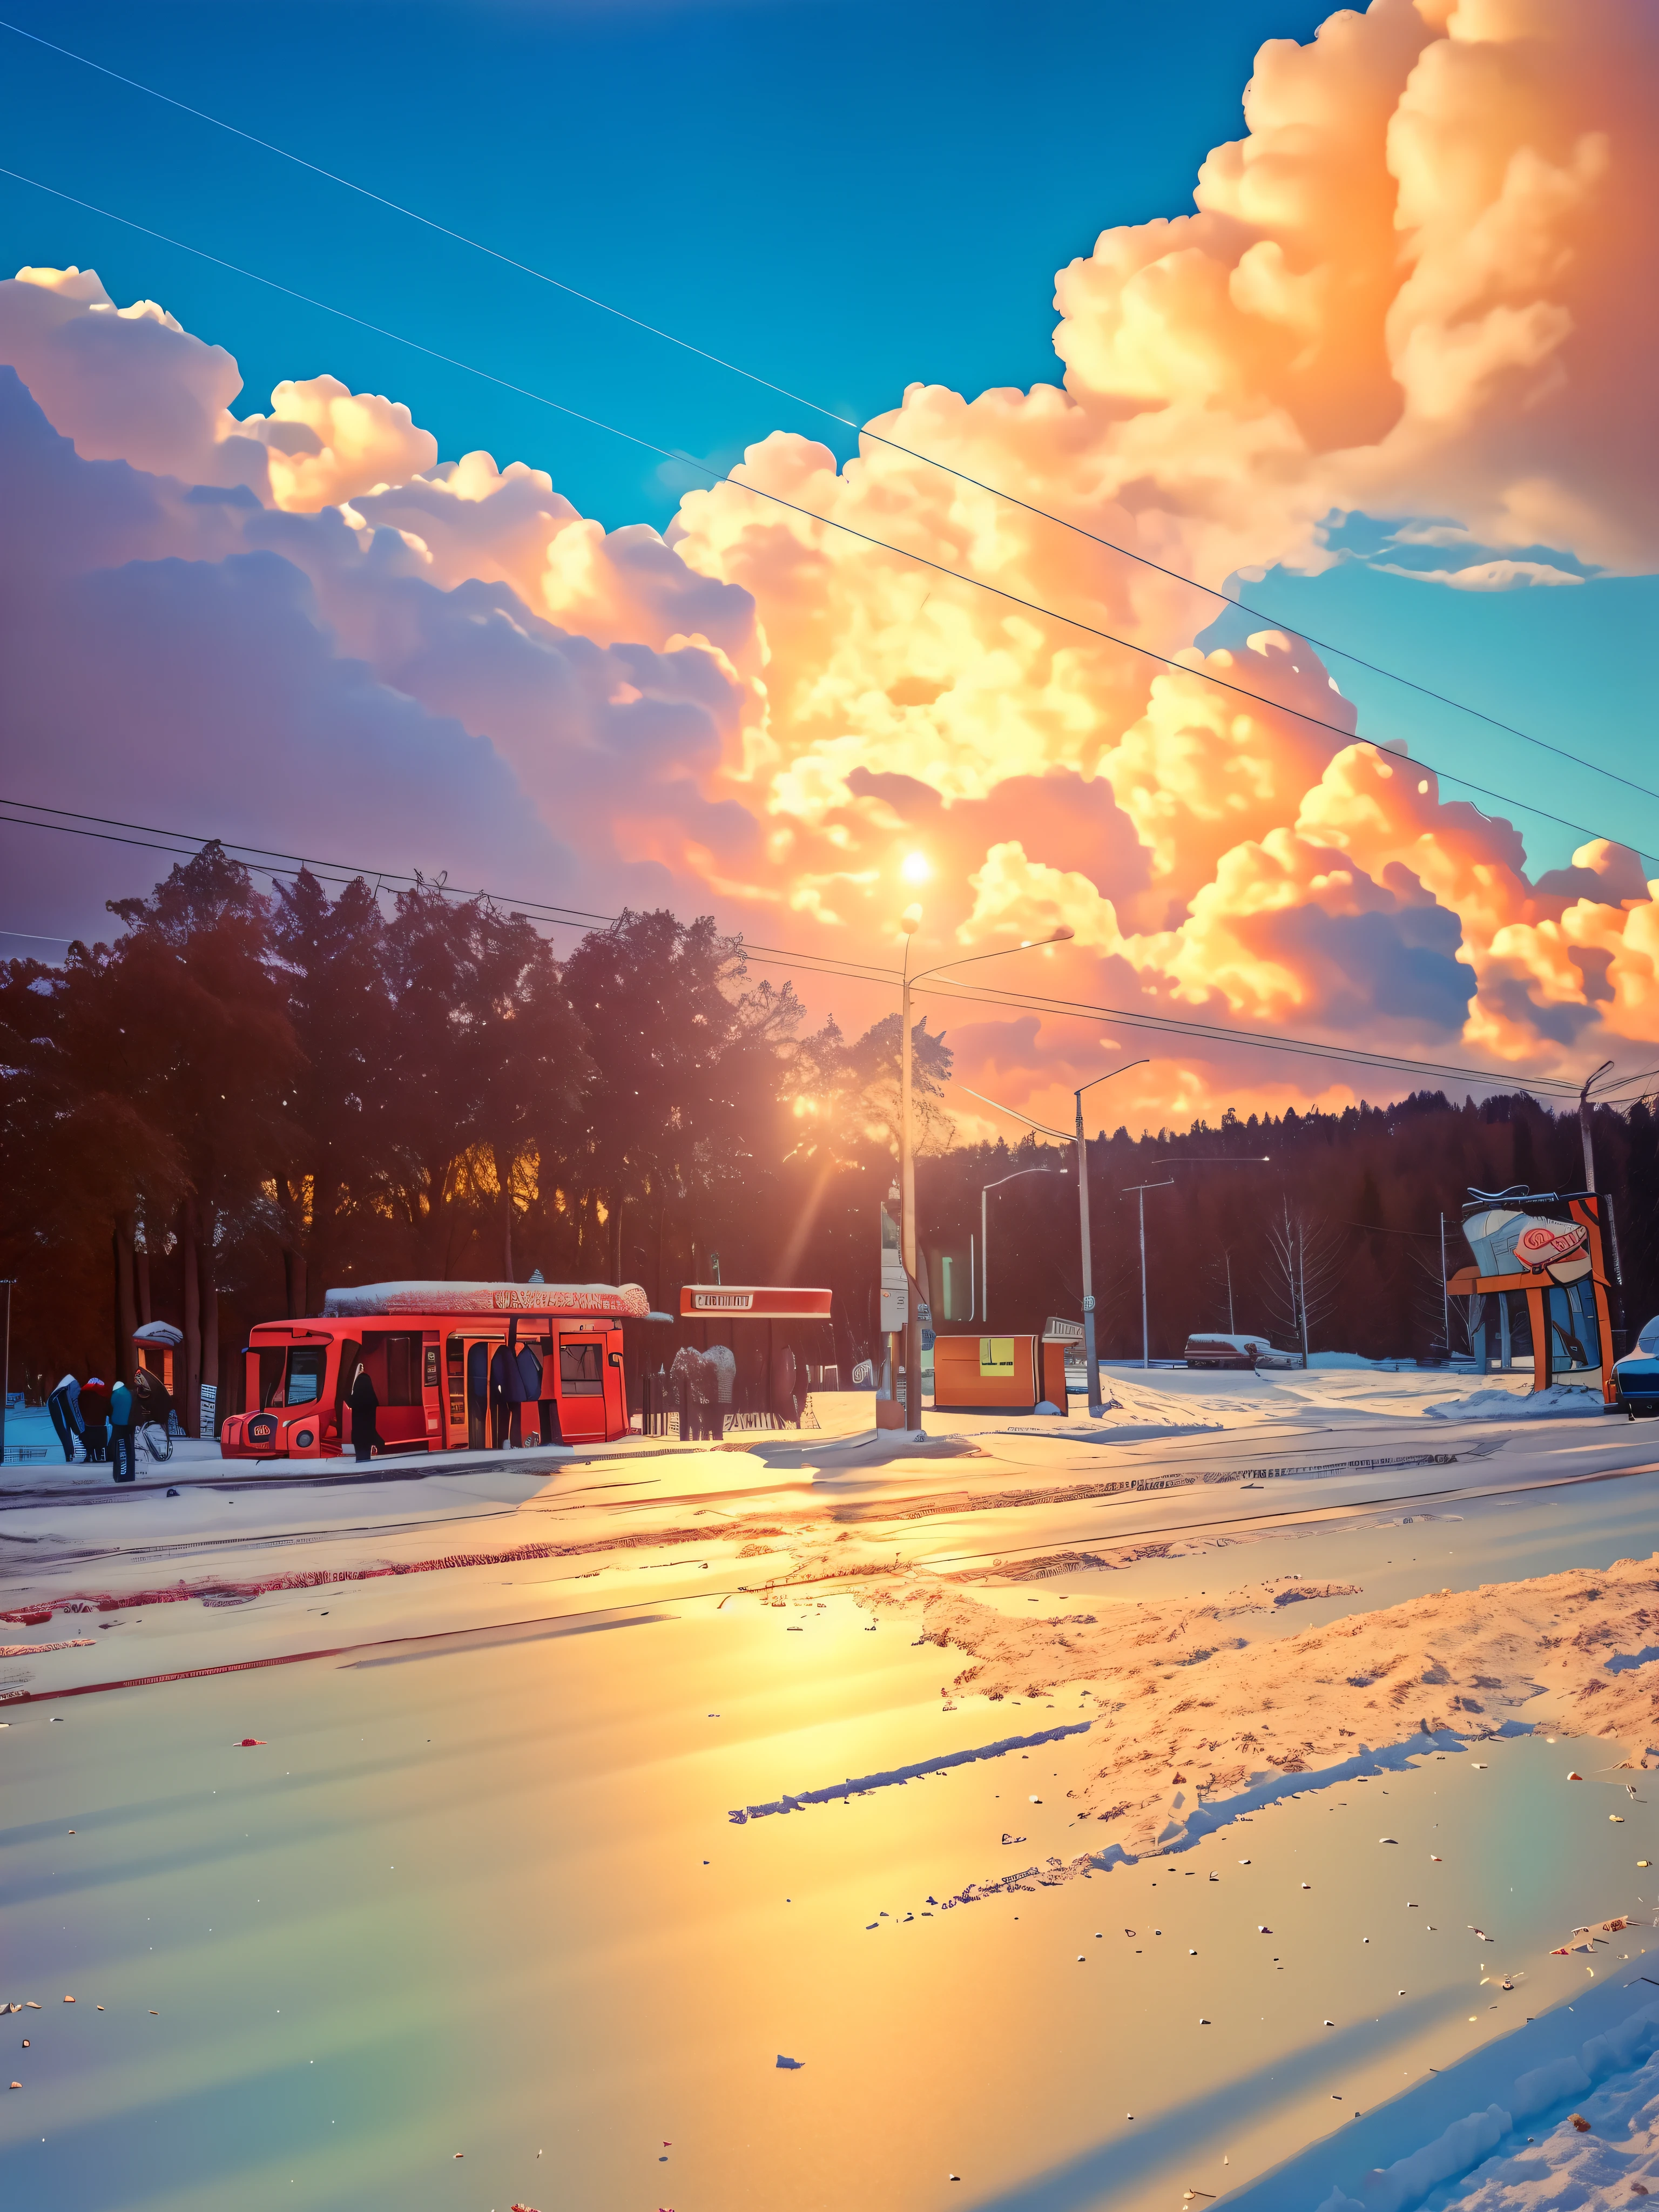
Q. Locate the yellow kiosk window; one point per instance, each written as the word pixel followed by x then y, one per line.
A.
pixel 996 1357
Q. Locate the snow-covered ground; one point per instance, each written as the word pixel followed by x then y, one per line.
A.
pixel 476 1887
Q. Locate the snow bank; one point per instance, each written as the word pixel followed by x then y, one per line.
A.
pixel 1569 2166
pixel 1408 2181
pixel 1510 1406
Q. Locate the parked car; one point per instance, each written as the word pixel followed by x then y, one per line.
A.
pixel 1637 1375
pixel 1216 1351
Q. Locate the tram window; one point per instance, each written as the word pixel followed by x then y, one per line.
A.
pixel 307 1365
pixel 580 1375
pixel 351 1354
pixel 273 1364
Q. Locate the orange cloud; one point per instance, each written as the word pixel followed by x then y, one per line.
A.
pixel 1415 286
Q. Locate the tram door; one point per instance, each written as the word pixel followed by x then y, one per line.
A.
pixel 466 1377
pixel 581 1388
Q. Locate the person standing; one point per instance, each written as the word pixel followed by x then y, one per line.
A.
pixel 64 1406
pixel 366 1438
pixel 786 1404
pixel 530 1385
pixel 121 1432
pixel 95 1418
pixel 477 1395
pixel 503 1374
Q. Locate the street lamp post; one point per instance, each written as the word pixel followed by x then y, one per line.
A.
pixel 1090 1353
pixel 985 1232
pixel 1140 1190
pixel 1255 1160
pixel 909 922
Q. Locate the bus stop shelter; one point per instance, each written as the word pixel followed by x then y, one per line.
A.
pixel 773 1331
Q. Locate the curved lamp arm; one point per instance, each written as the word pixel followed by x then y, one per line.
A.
pixel 1063 935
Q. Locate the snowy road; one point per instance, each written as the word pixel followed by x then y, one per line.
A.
pixel 476 1889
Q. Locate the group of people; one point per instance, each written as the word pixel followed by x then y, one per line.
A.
pixel 500 1386
pixel 503 1383
pixel 708 1383
pixel 100 1417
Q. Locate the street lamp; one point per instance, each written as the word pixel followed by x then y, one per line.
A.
pixel 1140 1190
pixel 1255 1160
pixel 1089 1354
pixel 985 1232
pixel 909 922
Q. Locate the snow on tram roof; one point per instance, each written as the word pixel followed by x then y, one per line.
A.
pixel 616 1300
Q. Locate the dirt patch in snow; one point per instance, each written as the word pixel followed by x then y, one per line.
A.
pixel 1192 1712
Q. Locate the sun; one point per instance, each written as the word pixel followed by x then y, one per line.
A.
pixel 915 869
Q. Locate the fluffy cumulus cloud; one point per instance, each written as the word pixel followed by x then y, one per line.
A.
pixel 1413 289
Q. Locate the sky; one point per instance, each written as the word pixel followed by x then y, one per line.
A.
pixel 1384 384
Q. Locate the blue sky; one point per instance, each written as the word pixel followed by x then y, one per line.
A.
pixel 844 198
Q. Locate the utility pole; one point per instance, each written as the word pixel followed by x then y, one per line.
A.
pixel 1584 1114
pixel 1232 1326
pixel 909 923
pixel 1140 1190
pixel 1445 1294
pixel 5 1368
pixel 1090 1352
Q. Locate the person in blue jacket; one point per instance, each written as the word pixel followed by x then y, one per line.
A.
pixel 64 1406
pixel 121 1432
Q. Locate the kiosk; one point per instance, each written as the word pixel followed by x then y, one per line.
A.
pixel 1002 1374
pixel 1522 1244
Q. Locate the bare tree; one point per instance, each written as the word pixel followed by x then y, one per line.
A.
pixel 1299 1272
pixel 1443 1315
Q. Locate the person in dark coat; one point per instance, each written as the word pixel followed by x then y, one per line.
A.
pixel 95 1418
pixel 477 1395
pixel 122 1407
pixel 64 1406
pixel 366 1438
pixel 785 1402
pixel 503 1369
pixel 538 1409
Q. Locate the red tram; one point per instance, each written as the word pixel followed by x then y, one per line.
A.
pixel 417 1341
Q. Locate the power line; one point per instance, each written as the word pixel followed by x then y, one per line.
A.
pixel 1348 737
pixel 1216 1036
pixel 830 414
pixel 582 919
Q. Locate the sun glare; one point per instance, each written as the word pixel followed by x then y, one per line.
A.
pixel 915 869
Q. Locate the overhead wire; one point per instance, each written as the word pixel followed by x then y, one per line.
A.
pixel 862 430
pixel 1216 1036
pixel 1204 675
pixel 582 919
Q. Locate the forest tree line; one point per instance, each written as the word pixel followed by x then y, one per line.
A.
pixel 247 1097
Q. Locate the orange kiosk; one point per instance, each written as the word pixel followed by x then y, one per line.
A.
pixel 999 1374
pixel 156 1341
pixel 415 1339
pixel 1557 1265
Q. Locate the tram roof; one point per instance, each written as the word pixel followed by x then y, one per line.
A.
pixel 605 1300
